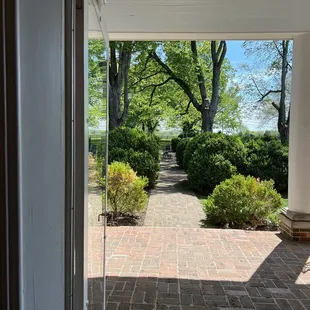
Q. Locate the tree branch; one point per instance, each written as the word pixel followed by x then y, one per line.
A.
pixel 155 85
pixel 200 76
pixel 280 53
pixel 187 108
pixel 145 65
pixel 277 48
pixel 223 53
pixel 219 50
pixel 218 54
pixel 145 78
pixel 268 93
pixel 275 106
pixel 178 80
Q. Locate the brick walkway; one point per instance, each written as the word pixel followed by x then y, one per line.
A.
pixel 194 268
pixel 170 205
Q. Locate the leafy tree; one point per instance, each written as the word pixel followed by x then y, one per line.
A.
pixel 154 96
pixel 272 88
pixel 97 82
pixel 196 67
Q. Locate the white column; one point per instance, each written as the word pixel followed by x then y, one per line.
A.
pixel 299 153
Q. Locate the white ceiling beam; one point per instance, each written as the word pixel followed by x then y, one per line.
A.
pixel 205 19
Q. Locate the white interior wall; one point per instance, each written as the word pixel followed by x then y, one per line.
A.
pixel 42 155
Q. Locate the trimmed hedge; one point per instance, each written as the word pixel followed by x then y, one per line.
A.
pixel 174 143
pixel 261 157
pixel 132 138
pixel 138 149
pixel 141 162
pixel 180 151
pixel 231 147
pixel 205 170
pixel 267 159
pixel 242 201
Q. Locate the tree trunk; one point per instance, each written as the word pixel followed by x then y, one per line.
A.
pixel 218 56
pixel 118 79
pixel 283 125
pixel 114 107
pixel 207 117
pixel 284 134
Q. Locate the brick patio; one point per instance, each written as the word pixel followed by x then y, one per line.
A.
pixel 194 268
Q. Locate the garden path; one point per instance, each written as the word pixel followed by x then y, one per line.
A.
pixel 170 204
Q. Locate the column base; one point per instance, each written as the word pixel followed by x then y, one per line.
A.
pixel 295 226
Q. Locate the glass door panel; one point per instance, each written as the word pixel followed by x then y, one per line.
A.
pixel 98 54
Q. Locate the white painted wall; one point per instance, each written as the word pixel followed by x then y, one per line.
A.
pixel 42 156
pixel 206 19
pixel 299 159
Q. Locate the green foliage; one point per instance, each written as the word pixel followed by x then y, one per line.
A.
pixel 242 200
pixel 128 138
pixel 192 146
pixel 267 159
pixel 206 170
pixel 97 82
pixel 137 148
pixel 228 118
pixel 180 151
pixel 141 162
pixel 174 144
pixel 125 189
pixel 231 147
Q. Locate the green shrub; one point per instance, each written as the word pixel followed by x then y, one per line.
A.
pixel 180 151
pixel 101 147
pixel 267 159
pixel 231 147
pixel 125 189
pixel 141 162
pixel 192 145
pixel 242 200
pixel 132 138
pixel 145 165
pixel 137 148
pixel 174 143
pixel 206 171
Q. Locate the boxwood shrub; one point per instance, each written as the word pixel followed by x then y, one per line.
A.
pixel 132 138
pixel 138 149
pixel 180 151
pixel 206 170
pixel 174 143
pixel 267 159
pixel 231 147
pixel 242 201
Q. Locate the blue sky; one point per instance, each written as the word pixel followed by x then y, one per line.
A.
pixel 235 53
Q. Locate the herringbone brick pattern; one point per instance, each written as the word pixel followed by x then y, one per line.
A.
pixel 193 268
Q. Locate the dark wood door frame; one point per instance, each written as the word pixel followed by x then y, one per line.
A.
pixel 9 139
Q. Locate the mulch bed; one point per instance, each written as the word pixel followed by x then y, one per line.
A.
pixel 126 219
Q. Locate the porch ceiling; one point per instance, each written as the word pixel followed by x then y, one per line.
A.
pixel 205 19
